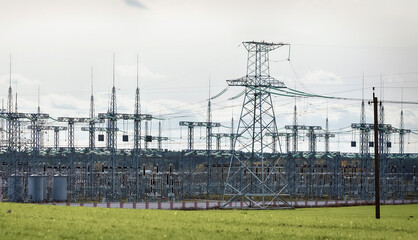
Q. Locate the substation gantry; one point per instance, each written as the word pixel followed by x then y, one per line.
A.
pixel 219 136
pixel 191 125
pixel 56 130
pixel 275 138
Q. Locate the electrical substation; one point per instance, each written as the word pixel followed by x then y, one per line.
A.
pixel 261 166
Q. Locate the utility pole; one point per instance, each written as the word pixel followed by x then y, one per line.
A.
pixel 376 158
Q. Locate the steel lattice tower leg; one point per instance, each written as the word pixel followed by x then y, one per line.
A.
pixel 146 134
pixel 364 149
pixel 70 134
pixel 209 128
pixel 326 136
pixel 295 130
pixel 190 138
pixel 250 174
pixel 382 148
pixel 218 143
pixel 232 137
pixel 288 143
pixel 312 140
pixel 92 141
pixel 159 137
pixel 111 135
pixel 92 146
pixel 137 134
pixel 274 138
pixel 56 138
pixel 402 135
pixel 208 146
pixel 71 159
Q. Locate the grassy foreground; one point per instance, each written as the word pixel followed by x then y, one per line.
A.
pixel 27 221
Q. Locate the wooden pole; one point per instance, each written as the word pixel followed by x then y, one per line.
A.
pixel 376 159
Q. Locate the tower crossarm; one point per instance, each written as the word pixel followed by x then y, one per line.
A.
pixel 312 130
pixel 100 129
pixel 79 120
pixel 298 127
pixel 156 138
pixel 303 127
pixel 248 81
pixel 321 134
pixel 258 72
pixel 125 116
pixel 54 128
pixel 403 131
pixel 199 124
pixel 386 128
pixel 253 46
pixel 328 134
pixel 269 134
pixel 315 134
pixel 31 116
pixel 220 135
pixel 363 126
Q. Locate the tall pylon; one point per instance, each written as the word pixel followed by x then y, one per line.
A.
pixel 112 122
pixel 251 175
pixel 295 129
pixel 402 131
pixel 364 129
pixel 10 94
pixel 209 125
pixel 17 125
pixel 92 140
pixel 40 124
pixel 91 116
pixel 111 134
pixel 137 111
pixel 11 121
pixel 137 134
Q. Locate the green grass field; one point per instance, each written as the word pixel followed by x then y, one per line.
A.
pixel 28 221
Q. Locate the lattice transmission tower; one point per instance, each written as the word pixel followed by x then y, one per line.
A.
pixel 252 177
pixel 137 133
pixel 112 134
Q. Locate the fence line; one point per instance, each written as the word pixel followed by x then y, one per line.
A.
pixel 216 204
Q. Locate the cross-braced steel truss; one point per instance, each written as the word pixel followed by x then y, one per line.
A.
pixel 253 178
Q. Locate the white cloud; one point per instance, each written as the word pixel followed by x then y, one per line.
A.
pixel 18 79
pixel 130 71
pixel 321 77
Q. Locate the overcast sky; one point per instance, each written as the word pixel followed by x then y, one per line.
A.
pixel 181 44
